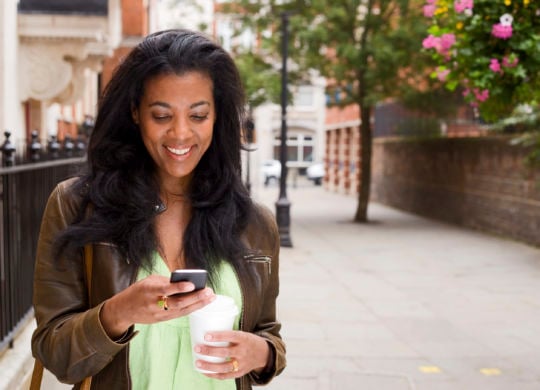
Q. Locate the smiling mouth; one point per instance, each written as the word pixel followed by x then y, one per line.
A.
pixel 178 152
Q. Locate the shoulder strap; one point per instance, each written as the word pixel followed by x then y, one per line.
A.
pixel 88 262
pixel 37 375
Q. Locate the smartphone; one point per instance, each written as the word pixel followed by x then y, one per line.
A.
pixel 195 276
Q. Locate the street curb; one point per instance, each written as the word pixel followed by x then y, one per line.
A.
pixel 16 363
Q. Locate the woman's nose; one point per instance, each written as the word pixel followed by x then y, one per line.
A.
pixel 180 126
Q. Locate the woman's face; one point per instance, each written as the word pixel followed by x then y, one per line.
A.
pixel 176 117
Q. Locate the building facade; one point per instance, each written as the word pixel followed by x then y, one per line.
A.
pixel 56 56
pixel 58 48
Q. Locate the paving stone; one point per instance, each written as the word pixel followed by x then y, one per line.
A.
pixel 402 302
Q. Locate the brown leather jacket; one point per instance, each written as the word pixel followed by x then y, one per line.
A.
pixel 70 340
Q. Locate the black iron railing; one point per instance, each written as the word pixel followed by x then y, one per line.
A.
pixel 24 190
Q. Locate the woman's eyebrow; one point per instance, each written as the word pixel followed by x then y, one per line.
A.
pixel 167 105
pixel 201 103
pixel 160 104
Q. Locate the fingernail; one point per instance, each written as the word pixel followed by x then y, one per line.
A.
pixel 208 337
pixel 198 363
pixel 198 349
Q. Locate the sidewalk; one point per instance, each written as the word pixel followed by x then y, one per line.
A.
pixel 401 303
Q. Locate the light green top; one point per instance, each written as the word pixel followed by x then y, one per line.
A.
pixel 160 355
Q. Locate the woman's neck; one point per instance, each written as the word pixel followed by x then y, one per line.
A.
pixel 173 188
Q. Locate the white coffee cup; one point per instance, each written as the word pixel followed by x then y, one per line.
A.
pixel 217 315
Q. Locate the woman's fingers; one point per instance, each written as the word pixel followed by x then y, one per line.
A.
pixel 245 352
pixel 185 304
pixel 231 368
pixel 148 301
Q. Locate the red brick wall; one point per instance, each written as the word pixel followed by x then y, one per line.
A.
pixel 134 24
pixel 134 18
pixel 111 63
pixel 337 115
pixel 480 183
pixel 342 159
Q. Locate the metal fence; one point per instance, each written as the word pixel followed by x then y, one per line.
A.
pixel 25 184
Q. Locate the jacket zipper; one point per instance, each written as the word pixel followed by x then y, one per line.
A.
pixel 242 316
pixel 261 259
pixel 133 279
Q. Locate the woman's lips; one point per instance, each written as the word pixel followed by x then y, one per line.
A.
pixel 178 151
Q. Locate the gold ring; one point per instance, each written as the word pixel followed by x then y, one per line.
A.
pixel 234 365
pixel 162 303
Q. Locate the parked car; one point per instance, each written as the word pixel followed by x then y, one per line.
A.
pixel 315 173
pixel 271 170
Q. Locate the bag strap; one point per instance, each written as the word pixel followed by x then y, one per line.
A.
pixel 88 262
pixel 37 373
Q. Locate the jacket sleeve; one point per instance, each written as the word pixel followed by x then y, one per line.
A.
pixel 267 325
pixel 69 339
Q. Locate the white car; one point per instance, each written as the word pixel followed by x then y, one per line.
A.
pixel 315 173
pixel 271 170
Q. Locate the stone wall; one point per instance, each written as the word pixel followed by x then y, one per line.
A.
pixel 480 183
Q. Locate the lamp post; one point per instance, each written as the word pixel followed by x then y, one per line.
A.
pixel 283 205
pixel 249 128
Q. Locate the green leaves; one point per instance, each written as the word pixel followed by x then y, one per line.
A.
pixel 371 45
pixel 504 67
pixel 261 80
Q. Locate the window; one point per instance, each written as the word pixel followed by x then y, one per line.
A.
pixel 303 96
pixel 299 147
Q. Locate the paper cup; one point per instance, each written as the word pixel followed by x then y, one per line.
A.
pixel 217 315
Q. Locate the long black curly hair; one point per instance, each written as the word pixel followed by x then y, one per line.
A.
pixel 120 185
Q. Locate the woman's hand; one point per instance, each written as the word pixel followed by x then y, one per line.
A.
pixel 139 304
pixel 246 352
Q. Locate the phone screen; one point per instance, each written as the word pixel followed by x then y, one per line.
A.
pixel 195 276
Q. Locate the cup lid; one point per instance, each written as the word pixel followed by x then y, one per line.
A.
pixel 222 304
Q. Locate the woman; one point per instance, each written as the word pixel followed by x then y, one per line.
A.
pixel 163 191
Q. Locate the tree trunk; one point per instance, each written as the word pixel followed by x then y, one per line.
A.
pixel 365 164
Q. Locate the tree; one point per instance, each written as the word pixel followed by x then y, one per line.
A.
pixel 365 48
pixel 489 48
pixel 261 81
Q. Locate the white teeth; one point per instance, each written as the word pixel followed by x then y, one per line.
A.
pixel 178 152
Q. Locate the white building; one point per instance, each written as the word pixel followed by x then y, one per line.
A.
pixel 50 60
pixel 191 14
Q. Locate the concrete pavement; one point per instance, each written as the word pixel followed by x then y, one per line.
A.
pixel 400 303
pixel 403 302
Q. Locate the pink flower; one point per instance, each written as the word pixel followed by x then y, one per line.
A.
pixel 447 40
pixel 429 10
pixel 441 44
pixel 495 66
pixel 503 29
pixel 500 31
pixel 442 73
pixel 510 61
pixel 431 42
pixel 462 5
pixel 481 96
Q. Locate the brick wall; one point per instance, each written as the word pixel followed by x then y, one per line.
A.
pixel 480 183
pixel 342 159
pixel 134 18
pixel 134 27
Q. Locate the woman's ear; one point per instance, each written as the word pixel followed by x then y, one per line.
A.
pixel 135 115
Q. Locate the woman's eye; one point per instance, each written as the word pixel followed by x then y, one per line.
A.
pixel 199 118
pixel 161 118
